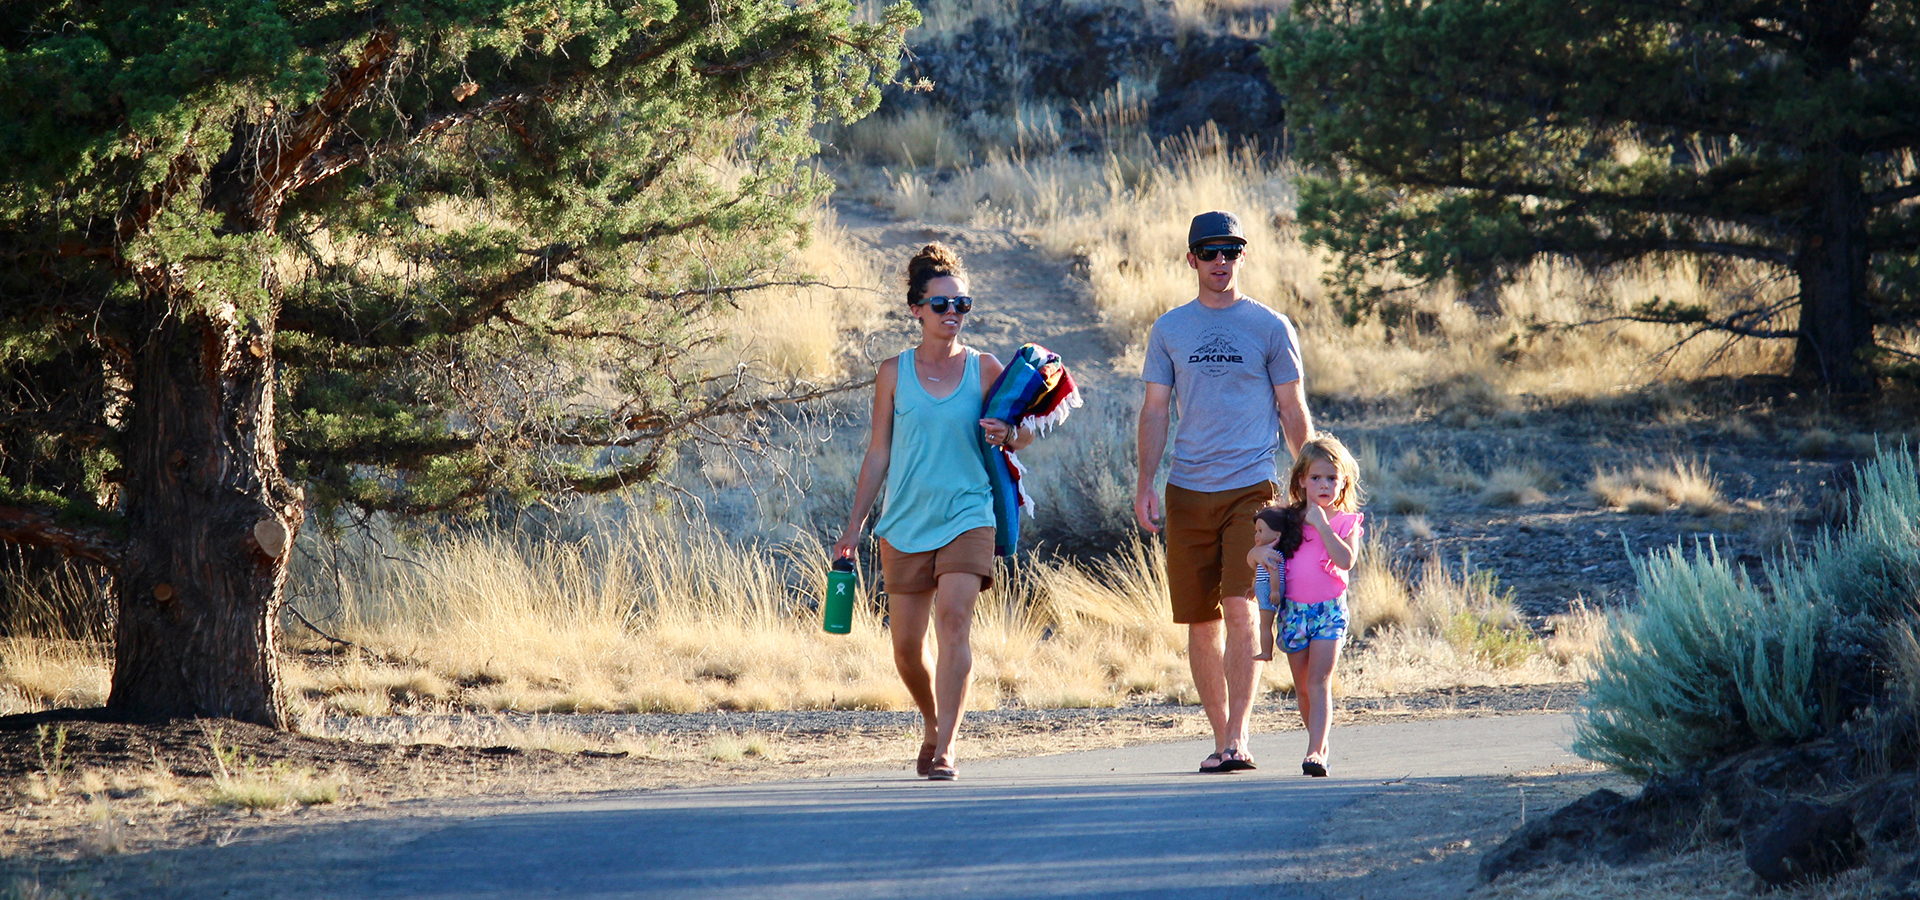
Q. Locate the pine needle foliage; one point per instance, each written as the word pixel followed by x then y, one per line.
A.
pixel 469 233
pixel 1465 138
pixel 1713 664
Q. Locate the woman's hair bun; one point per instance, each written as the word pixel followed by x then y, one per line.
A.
pixel 933 261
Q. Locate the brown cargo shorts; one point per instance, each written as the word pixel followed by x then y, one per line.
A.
pixel 919 573
pixel 1208 536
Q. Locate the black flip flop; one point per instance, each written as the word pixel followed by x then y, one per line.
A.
pixel 1309 767
pixel 1232 760
pixel 1219 764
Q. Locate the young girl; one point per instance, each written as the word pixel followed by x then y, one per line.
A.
pixel 1324 494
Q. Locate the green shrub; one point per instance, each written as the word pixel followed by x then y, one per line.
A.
pixel 1712 664
pixel 1873 566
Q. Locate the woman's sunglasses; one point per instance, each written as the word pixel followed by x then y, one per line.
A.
pixel 961 304
pixel 1230 251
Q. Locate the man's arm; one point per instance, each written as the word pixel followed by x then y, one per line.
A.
pixel 1151 443
pixel 1295 423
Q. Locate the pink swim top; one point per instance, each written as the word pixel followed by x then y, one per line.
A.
pixel 1311 576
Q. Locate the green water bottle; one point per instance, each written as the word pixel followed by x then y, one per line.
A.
pixel 842 585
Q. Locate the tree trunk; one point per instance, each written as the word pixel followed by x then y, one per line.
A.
pixel 1836 325
pixel 210 519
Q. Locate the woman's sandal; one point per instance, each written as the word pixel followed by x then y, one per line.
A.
pixel 1314 767
pixel 1214 762
pixel 1233 759
pixel 923 764
pixel 942 770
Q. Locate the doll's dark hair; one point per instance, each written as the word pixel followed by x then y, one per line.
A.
pixel 933 261
pixel 1290 521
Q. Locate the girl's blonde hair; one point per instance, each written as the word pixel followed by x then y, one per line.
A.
pixel 1324 447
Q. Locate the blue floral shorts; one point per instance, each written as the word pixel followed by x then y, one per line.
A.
pixel 1307 622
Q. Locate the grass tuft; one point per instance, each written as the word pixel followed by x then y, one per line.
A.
pixel 245 784
pixel 1687 485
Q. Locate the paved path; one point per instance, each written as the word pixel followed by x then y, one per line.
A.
pixel 1127 823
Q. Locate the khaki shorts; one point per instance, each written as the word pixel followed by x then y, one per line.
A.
pixel 919 573
pixel 1208 536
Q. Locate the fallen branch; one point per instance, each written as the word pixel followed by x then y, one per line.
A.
pixel 317 629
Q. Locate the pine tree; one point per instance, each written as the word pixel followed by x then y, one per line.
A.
pixel 1468 137
pixel 264 258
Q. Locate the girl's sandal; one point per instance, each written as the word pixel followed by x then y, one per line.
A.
pixel 942 770
pixel 923 764
pixel 1314 767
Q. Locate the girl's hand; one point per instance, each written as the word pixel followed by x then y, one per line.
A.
pixel 1265 555
pixel 1317 517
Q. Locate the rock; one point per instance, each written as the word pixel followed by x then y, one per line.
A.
pixel 1222 79
pixel 1885 813
pixel 1804 841
pixel 1607 826
pixel 1602 819
pixel 1240 105
pixel 1069 53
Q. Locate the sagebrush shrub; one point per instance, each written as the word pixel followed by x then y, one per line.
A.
pixel 1713 664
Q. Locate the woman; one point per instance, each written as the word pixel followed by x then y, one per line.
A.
pixel 936 531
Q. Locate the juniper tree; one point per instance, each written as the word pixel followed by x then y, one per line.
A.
pixel 1468 137
pixel 261 258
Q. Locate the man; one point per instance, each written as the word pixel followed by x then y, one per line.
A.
pixel 1233 366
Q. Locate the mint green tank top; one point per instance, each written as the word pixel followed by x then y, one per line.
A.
pixel 937 485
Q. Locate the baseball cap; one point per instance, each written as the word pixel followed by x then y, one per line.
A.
pixel 1215 225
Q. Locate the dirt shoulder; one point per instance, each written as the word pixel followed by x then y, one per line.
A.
pixel 77 787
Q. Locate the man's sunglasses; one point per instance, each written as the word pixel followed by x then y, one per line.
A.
pixel 961 304
pixel 1230 251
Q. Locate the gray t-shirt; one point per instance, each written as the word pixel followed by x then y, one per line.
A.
pixel 1222 365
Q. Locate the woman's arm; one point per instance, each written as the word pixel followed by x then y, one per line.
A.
pixel 1340 551
pixel 873 468
pixel 997 431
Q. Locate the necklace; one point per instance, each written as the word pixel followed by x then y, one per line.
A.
pixel 927 370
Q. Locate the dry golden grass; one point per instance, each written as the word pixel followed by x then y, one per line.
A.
pixel 1686 485
pixel 801 332
pixel 1576 635
pixel 1459 628
pixel 673 618
pixel 1377 593
pixel 1125 214
pixel 1518 486
pixel 247 783
pixel 41 674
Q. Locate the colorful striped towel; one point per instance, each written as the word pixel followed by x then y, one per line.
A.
pixel 1033 390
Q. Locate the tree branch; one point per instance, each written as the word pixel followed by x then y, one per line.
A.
pixel 1894 195
pixel 1729 324
pixel 37 528
pixel 312 127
